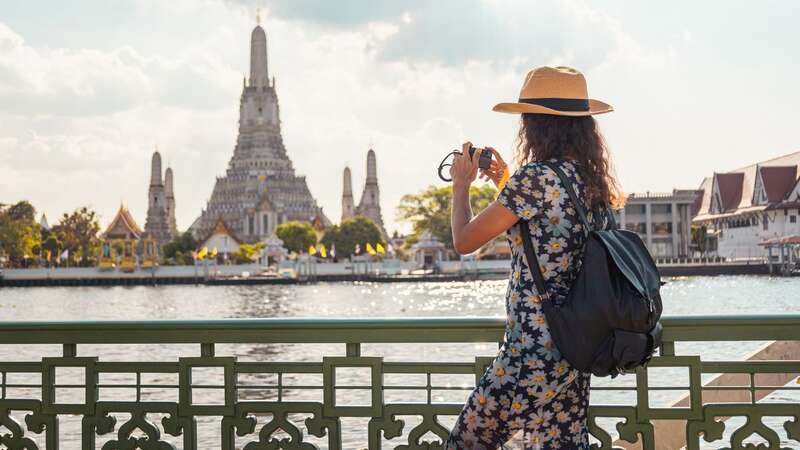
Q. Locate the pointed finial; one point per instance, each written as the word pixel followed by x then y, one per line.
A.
pixel 258 16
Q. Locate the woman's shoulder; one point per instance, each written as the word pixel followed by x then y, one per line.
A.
pixel 544 168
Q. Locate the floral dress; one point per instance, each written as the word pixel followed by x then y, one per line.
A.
pixel 529 386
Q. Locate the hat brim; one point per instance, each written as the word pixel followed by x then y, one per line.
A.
pixel 595 107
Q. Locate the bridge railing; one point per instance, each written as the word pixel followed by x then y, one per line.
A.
pixel 39 394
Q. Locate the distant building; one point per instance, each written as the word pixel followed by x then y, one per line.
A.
pixel 160 222
pixel 222 239
pixel 663 221
pixel 428 251
pixel 260 189
pixel 122 227
pixel 370 203
pixel 751 205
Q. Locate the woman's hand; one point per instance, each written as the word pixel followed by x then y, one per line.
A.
pixel 496 170
pixel 464 170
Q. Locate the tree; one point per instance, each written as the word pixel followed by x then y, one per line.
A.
pixel 78 233
pixel 247 253
pixel 179 250
pixel 19 232
pixel 356 230
pixel 430 210
pixel 51 248
pixel 296 236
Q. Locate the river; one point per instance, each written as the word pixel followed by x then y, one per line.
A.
pixel 691 295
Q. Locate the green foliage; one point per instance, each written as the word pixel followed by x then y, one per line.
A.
pixel 430 210
pixel 179 251
pixel 77 232
pixel 296 236
pixel 247 253
pixel 357 230
pixel 19 232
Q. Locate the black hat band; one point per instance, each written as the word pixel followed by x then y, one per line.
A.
pixel 559 104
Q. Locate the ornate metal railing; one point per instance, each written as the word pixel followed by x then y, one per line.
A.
pixel 32 410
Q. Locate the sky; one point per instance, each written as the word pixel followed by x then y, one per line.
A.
pixel 89 88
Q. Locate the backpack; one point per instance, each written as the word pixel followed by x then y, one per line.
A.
pixel 609 321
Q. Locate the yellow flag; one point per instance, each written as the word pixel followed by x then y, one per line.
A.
pixel 214 252
pixel 202 253
pixel 323 251
pixel 312 250
pixel 380 248
pixel 370 250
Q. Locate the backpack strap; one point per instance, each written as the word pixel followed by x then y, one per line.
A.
pixel 572 195
pixel 532 259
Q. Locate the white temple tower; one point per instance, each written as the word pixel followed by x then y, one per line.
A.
pixel 370 204
pixel 157 222
pixel 348 208
pixel 260 189
pixel 170 199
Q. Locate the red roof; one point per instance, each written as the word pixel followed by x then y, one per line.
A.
pixel 778 181
pixel 730 189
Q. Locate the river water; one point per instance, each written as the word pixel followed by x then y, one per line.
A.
pixel 691 295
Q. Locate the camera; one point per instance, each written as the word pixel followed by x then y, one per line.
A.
pixel 485 158
pixel 484 161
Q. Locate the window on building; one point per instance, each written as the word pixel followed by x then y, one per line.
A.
pixel 661 209
pixel 792 219
pixel 662 227
pixel 636 227
pixel 250 226
pixel 634 209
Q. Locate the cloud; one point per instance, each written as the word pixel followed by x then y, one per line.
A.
pixel 401 75
pixel 80 82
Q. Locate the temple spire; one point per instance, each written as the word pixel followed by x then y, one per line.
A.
pixel 259 76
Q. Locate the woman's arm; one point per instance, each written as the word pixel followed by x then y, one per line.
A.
pixel 470 234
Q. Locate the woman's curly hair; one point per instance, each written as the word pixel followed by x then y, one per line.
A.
pixel 544 136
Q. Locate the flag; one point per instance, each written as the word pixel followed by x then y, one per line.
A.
pixel 202 253
pixel 358 249
pixel 323 251
pixel 379 249
pixel 333 250
pixel 312 250
pixel 214 252
pixel 65 254
pixel 370 250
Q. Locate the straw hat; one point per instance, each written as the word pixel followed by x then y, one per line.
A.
pixel 559 91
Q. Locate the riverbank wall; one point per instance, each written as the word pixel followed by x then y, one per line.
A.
pixel 248 274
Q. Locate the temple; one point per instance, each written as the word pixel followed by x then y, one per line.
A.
pixel 370 203
pixel 260 189
pixel 160 223
pixel 123 227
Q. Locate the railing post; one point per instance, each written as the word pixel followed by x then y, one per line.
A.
pixel 353 349
pixel 69 350
pixel 207 350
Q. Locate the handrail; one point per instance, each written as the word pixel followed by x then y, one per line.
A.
pixel 736 390
pixel 381 330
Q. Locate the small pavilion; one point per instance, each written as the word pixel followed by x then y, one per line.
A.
pixel 223 239
pixel 428 250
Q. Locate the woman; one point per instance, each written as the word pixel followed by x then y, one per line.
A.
pixel 530 387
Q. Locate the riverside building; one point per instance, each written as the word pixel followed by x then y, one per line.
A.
pixel 745 208
pixel 260 189
pixel 662 220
